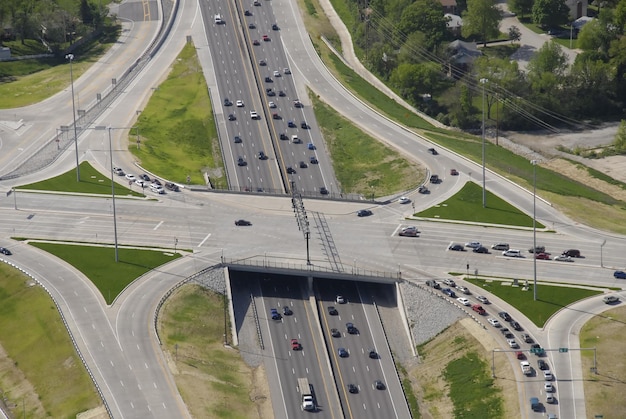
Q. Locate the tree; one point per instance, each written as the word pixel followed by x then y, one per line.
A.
pixel 521 7
pixel 550 13
pixel 620 138
pixel 514 33
pixel 550 58
pixel 425 16
pixel 482 18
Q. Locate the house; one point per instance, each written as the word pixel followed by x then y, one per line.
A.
pixel 453 23
pixel 449 6
pixel 461 55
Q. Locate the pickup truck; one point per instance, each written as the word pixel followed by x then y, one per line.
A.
pixel 526 368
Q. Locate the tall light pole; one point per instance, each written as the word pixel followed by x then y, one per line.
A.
pixel 534 163
pixel 70 57
pixel 483 81
pixel 112 188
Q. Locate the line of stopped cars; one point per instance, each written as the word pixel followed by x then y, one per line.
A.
pixel 539 252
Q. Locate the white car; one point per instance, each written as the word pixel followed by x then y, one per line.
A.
pixel 547 375
pixel 463 301
pixel 276 73
pixel 130 177
pixel 548 387
pixel 482 299
pixel 404 200
pixel 239 103
pixel 493 322
pixel 512 343
pixel 340 299
pixel 271 105
pixel 254 115
pixel 140 182
pixel 410 231
pixel 118 171
pixel 512 253
pixel 563 258
pixel 473 245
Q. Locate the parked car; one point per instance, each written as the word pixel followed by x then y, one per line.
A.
pixel 456 247
pixel 410 231
pixel 480 249
pixel 473 244
pixel 243 223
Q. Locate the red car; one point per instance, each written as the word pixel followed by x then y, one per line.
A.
pixel 543 256
pixel 295 345
pixel 520 355
pixel 266 38
pixel 478 309
pixel 453 172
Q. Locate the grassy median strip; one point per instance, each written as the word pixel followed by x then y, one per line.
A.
pixel 550 298
pixel 42 376
pixel 91 182
pixel 98 264
pixel 178 133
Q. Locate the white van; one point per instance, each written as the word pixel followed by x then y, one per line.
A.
pixel 513 253
pixel 295 140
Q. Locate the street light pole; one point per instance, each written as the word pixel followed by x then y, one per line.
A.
pixel 70 57
pixel 534 163
pixel 113 195
pixel 483 81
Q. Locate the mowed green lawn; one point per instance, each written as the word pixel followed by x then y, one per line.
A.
pixel 98 264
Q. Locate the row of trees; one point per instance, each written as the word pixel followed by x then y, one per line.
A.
pixel 52 22
pixel 406 43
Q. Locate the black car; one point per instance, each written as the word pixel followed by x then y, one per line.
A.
pixel 516 325
pixel 157 182
pixel 323 190
pixel 291 170
pixel 364 213
pixel 351 329
pixel 172 186
pixel 504 315
pixel 227 102
pixel 270 92
pixel 262 63
pixel 251 25
pixel 538 249
pixel 243 223
pixel 247 13
pixel 5 251
pixel 480 249
pixel 432 151
pixel 287 311
pixel 507 333
pixel 434 179
pixel 274 27
pixel 335 333
pixel 231 117
pixel 332 311
pixel 237 139
pixel 456 247
pixel 379 385
pixel 262 155
pixel 352 388
pixel 373 354
pixel 291 124
pixel 304 125
pixel 281 93
pixel 543 365
pixel 283 136
pixel 303 165
pixel 144 177
pixel 313 160
pixel 423 189
pixel 268 79
pixel 241 162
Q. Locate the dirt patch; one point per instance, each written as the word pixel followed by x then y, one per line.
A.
pixel 458 340
pixel 16 388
